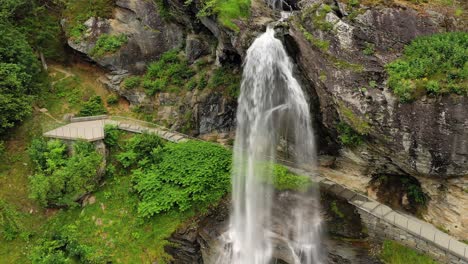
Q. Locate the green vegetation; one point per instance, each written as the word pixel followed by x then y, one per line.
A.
pixel 19 77
pixel 112 99
pixel 94 106
pixel 111 136
pixel 132 82
pixel 436 64
pixel 78 11
pixel 395 253
pixel 334 208
pixel 323 45
pixel 189 175
pixel 227 79
pixel 170 72
pixel 317 13
pixel 226 11
pixel 369 49
pixel 348 136
pixel 108 44
pixel 359 125
pixel 60 180
pixel 10 224
pixel 283 179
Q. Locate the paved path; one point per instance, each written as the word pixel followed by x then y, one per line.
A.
pixel 92 129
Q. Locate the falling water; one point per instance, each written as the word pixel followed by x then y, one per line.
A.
pixel 272 105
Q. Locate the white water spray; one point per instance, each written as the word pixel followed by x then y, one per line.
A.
pixel 272 105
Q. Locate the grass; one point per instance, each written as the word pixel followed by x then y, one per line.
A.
pixel 395 253
pixel 226 11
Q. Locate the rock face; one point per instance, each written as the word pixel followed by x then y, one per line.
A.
pixel 148 36
pixel 426 138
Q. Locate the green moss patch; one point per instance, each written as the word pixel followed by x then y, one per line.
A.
pixel 395 253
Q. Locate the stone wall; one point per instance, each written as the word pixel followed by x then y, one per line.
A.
pixel 380 229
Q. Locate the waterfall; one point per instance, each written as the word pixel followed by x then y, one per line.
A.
pixel 272 105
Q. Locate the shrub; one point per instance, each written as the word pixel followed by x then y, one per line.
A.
pixel 436 64
pixel 132 82
pixel 142 149
pixel 369 49
pixel 191 174
pixel 60 179
pixel 170 72
pixel 108 44
pixel 94 106
pixel 348 136
pixel 112 99
pixel 111 135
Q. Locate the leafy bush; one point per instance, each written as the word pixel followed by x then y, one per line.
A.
pixel 142 149
pixel 395 253
pixel 111 135
pixel 436 64
pixel 60 180
pixel 94 106
pixel 108 44
pixel 169 72
pixel 348 136
pixel 190 175
pixel 132 82
pixel 112 99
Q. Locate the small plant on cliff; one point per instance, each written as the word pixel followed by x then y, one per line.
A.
pixel 132 82
pixel 436 64
pixel 108 44
pixel 169 73
pixel 348 136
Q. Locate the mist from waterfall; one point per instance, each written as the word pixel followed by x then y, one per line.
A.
pixel 272 106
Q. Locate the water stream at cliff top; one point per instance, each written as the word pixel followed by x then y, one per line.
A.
pixel 272 105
